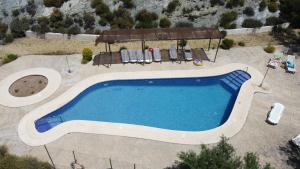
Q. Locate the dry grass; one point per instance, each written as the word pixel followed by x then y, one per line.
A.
pixel 30 46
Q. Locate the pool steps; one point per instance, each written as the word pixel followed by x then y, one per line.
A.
pixel 235 80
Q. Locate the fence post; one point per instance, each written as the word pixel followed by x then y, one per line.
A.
pixel 110 163
pixel 49 157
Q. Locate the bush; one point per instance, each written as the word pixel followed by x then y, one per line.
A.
pixel 273 6
pixel 249 11
pixel 56 16
pixel 42 26
pixel 241 43
pixel 31 7
pixel 252 23
pixel 9 38
pixel 122 19
pixel 227 44
pixel 227 19
pixel 216 2
pixel 184 25
pixel 129 4
pixel 164 23
pixel 269 49
pixel 8 161
pixel 89 21
pixel 273 21
pixel 74 30
pixel 18 27
pixel 94 3
pixel 263 5
pixel 182 43
pixel 234 3
pixel 102 9
pixel 172 6
pixel 3 29
pixel 146 19
pixel 290 11
pixel 87 55
pixel 54 3
pixel 221 156
pixel 15 12
pixel 9 58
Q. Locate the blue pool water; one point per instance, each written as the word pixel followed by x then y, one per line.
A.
pixel 185 104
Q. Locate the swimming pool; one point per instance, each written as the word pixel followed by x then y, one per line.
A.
pixel 184 104
pixel 184 115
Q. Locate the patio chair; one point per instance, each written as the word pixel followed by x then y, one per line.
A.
pixel 156 55
pixel 132 56
pixel 173 52
pixel 140 56
pixel 273 63
pixel 188 53
pixel 276 113
pixel 124 56
pixel 290 64
pixel 148 56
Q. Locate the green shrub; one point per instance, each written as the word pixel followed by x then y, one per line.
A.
pixel 19 26
pixel 182 43
pixel 122 19
pixel 9 38
pixel 263 5
pixel 269 49
pixel 31 8
pixel 164 23
pixel 9 58
pixel 15 12
pixel 42 26
pixel 3 29
pixel 273 6
pixel 221 156
pixel 249 11
pixel 89 21
pixel 227 19
pixel 173 5
pixel 235 3
pixel 290 11
pixel 129 4
pixel 227 44
pixel 241 43
pixel 87 55
pixel 216 2
pixel 94 3
pixel 56 15
pixel 74 30
pixel 54 3
pixel 252 23
pixel 184 24
pixel 102 9
pixel 273 21
pixel 146 19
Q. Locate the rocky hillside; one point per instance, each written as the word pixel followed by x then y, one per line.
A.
pixel 93 16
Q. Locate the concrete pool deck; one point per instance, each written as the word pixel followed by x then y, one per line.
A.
pixel 32 137
pixel 93 150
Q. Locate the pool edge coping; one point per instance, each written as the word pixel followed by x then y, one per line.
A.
pixel 235 122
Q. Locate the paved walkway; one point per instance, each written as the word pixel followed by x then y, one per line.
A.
pixel 94 151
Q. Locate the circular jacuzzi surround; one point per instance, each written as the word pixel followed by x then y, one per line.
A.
pixel 28 85
pixel 10 86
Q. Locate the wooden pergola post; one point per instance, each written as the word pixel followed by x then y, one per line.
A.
pixel 209 44
pixel 217 50
pixel 110 53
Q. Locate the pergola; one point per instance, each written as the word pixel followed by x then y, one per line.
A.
pixel 158 34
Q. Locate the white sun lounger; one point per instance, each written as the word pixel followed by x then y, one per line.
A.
pixel 132 56
pixel 290 64
pixel 276 113
pixel 188 53
pixel 156 55
pixel 148 56
pixel 296 140
pixel 173 52
pixel 140 56
pixel 124 56
pixel 273 63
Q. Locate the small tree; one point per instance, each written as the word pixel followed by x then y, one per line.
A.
pixel 263 5
pixel 3 29
pixel 164 23
pixel 172 6
pixel 15 12
pixel 227 44
pixel 89 21
pixel 129 4
pixel 227 19
pixel 249 11
pixel 252 23
pixel 273 6
pixel 146 19
pixel 87 55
